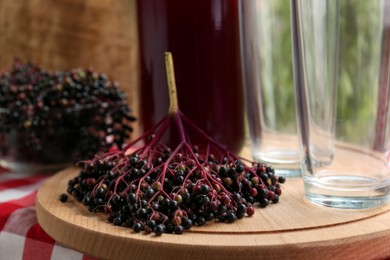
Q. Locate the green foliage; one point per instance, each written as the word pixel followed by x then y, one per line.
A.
pixel 360 35
pixel 276 63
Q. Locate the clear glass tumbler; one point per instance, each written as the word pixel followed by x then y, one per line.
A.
pixel 268 83
pixel 341 63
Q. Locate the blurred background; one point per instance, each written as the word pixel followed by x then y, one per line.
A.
pixel 358 80
pixel 64 34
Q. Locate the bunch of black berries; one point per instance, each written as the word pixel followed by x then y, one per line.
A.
pixel 55 117
pixel 150 187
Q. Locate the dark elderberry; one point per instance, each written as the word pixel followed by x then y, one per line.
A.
pixel 86 200
pixel 209 216
pixel 249 199
pixel 179 230
pixel 178 180
pixel 223 171
pixel 263 202
pixel 186 223
pixel 151 223
pixel 60 116
pixel 148 179
pixel 137 227
pixel 133 209
pixel 131 198
pixel 159 229
pixel 240 168
pixel 281 179
pixel 222 208
pixel 111 217
pixel 133 160
pixel 63 197
pixel 231 217
pixel 98 201
pixel 129 222
pixel 165 203
pixel 241 210
pixel 117 199
pixel 100 192
pixel 200 221
pixel 125 210
pixel 275 199
pixel 169 228
pixel 174 205
pixel 117 221
pixel 205 189
pixel 144 203
pixel 154 188
pixel 149 193
pixel 142 213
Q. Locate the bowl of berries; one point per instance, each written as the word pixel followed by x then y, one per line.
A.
pixel 49 120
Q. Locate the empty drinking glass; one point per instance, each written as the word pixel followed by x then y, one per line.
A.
pixel 342 62
pixel 268 82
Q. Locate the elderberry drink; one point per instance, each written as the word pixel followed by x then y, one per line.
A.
pixel 203 37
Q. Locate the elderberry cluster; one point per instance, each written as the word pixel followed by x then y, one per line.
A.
pixel 163 191
pixel 55 117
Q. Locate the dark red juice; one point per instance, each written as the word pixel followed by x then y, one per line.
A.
pixel 203 37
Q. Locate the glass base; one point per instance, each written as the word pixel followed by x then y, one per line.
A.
pixel 347 192
pixel 286 163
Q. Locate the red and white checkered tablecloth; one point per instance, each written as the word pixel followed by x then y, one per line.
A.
pixel 21 237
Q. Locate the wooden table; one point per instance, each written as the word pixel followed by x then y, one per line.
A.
pixel 291 229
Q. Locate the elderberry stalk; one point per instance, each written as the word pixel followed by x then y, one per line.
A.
pixel 148 186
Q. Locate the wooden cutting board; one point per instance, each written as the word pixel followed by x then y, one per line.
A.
pixel 291 229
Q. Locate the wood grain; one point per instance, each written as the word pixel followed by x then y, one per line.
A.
pixel 292 229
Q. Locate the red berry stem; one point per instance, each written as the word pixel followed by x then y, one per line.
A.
pixel 148 186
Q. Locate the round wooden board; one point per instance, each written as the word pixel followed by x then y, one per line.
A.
pixel 291 229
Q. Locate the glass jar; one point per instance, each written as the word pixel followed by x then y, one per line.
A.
pixel 203 37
